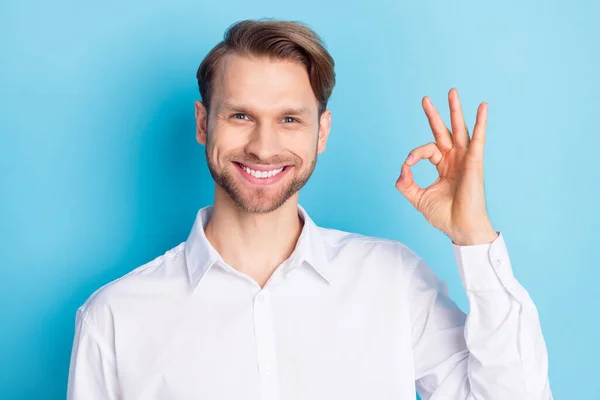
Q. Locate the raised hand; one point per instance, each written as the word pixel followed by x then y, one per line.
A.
pixel 455 202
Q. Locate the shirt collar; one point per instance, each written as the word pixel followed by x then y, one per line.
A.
pixel 201 255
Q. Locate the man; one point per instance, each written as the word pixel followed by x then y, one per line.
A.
pixel 261 303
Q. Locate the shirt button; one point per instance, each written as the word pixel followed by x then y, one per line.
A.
pixel 261 298
pixel 498 262
pixel 268 371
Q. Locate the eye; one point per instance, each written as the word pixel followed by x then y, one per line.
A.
pixel 292 119
pixel 235 116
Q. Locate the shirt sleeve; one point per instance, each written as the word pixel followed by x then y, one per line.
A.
pixel 495 352
pixel 92 373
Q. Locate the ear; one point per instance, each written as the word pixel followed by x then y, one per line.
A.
pixel 324 128
pixel 201 125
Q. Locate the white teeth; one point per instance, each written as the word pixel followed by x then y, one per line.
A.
pixel 262 174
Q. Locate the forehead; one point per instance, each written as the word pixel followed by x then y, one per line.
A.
pixel 262 84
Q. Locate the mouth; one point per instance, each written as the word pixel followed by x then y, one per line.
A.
pixel 265 177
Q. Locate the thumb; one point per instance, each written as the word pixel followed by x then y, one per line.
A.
pixel 407 186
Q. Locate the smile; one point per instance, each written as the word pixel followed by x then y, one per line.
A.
pixel 262 174
pixel 262 177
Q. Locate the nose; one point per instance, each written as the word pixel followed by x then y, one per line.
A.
pixel 264 142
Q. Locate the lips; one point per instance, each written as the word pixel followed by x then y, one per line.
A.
pixel 260 167
pixel 263 181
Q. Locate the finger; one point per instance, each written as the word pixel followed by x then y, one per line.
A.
pixel 478 141
pixel 460 132
pixel 405 183
pixel 408 187
pixel 430 151
pixel 441 134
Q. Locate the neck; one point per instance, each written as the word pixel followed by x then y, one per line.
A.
pixel 253 243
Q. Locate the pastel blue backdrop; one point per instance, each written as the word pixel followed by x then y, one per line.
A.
pixel 100 171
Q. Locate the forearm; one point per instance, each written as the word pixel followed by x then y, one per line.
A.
pixel 507 352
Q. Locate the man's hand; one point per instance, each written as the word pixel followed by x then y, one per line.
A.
pixel 455 202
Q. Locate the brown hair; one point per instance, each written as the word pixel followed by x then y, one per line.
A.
pixel 277 39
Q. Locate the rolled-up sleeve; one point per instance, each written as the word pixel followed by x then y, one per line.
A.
pixel 497 351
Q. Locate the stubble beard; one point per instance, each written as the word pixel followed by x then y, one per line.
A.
pixel 258 200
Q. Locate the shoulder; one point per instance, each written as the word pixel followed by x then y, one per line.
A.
pixel 150 279
pixel 371 251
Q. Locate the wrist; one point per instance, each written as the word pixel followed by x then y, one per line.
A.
pixel 473 239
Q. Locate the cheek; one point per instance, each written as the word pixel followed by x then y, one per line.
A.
pixel 218 144
pixel 304 142
pixel 214 154
pixel 312 146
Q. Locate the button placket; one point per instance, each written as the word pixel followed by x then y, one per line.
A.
pixel 265 346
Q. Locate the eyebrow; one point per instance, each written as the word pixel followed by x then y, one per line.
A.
pixel 228 106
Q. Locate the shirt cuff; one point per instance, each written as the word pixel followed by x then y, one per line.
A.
pixel 485 267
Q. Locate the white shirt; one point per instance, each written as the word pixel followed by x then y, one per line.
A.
pixel 345 317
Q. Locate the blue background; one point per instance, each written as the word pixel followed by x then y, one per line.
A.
pixel 100 170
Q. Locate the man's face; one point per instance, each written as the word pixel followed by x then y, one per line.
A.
pixel 263 122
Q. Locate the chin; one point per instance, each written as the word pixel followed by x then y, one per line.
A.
pixel 261 200
pixel 252 205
